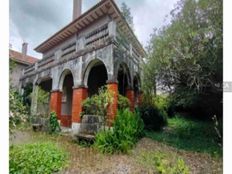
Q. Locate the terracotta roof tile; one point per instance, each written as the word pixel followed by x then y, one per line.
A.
pixel 17 56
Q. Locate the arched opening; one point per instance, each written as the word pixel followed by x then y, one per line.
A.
pixel 66 99
pixel 123 79
pixel 26 95
pixel 97 78
pixel 43 96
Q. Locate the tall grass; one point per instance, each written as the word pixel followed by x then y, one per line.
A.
pixel 187 134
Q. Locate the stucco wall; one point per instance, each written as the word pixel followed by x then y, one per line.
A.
pixel 16 74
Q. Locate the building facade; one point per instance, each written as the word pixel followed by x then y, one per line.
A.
pixel 97 48
pixel 19 60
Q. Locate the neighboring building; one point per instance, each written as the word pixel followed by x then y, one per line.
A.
pixel 20 62
pixel 97 48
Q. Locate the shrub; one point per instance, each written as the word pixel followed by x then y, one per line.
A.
pixel 104 141
pixel 36 158
pixel 165 104
pixel 123 102
pixel 127 129
pixel 53 123
pixel 18 111
pixel 153 118
pixel 98 104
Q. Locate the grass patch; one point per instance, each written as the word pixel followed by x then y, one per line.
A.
pixel 163 163
pixel 37 158
pixel 187 134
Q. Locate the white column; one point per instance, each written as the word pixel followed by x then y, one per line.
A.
pixel 34 100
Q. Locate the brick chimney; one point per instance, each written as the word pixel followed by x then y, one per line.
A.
pixel 24 48
pixel 77 5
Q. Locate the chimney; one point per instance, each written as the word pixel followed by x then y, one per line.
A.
pixel 24 48
pixel 77 4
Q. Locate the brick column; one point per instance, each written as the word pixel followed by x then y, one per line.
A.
pixel 130 96
pixel 55 103
pixel 79 95
pixel 112 111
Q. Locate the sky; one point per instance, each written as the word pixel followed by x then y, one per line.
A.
pixel 34 21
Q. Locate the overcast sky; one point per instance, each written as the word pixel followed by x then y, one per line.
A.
pixel 33 21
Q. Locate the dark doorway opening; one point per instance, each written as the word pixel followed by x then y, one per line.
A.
pixel 66 101
pixel 97 78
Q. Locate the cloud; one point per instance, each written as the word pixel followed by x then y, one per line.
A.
pixel 34 21
pixel 149 15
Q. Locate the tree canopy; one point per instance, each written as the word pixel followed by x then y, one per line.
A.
pixel 127 15
pixel 185 56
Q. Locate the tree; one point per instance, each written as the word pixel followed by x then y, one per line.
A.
pixel 127 15
pixel 18 111
pixel 186 56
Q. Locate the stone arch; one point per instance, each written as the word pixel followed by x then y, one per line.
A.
pixel 126 69
pixel 89 65
pixel 123 75
pixel 95 75
pixel 62 76
pixel 66 83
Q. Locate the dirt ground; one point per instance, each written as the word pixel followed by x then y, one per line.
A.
pixel 86 160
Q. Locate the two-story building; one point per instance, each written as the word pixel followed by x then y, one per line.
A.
pixel 97 48
pixel 20 60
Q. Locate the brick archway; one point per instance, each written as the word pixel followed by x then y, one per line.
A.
pixel 66 86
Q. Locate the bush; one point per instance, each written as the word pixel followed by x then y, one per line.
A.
pixel 153 118
pixel 98 104
pixel 165 104
pixel 127 129
pixel 18 111
pixel 123 102
pixel 36 158
pixel 53 123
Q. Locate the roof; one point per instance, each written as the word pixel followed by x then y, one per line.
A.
pixel 19 57
pixel 102 8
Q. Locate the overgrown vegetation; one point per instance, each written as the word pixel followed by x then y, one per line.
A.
pixel 123 102
pixel 54 126
pixel 154 118
pixel 42 102
pixel 127 129
pixel 98 104
pixel 18 111
pixel 188 134
pixel 185 58
pixel 36 158
pixel 162 163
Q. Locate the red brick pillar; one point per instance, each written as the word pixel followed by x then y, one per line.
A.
pixel 55 103
pixel 79 95
pixel 130 96
pixel 112 111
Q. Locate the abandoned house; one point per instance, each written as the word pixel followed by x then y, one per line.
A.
pixel 19 62
pixel 97 48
